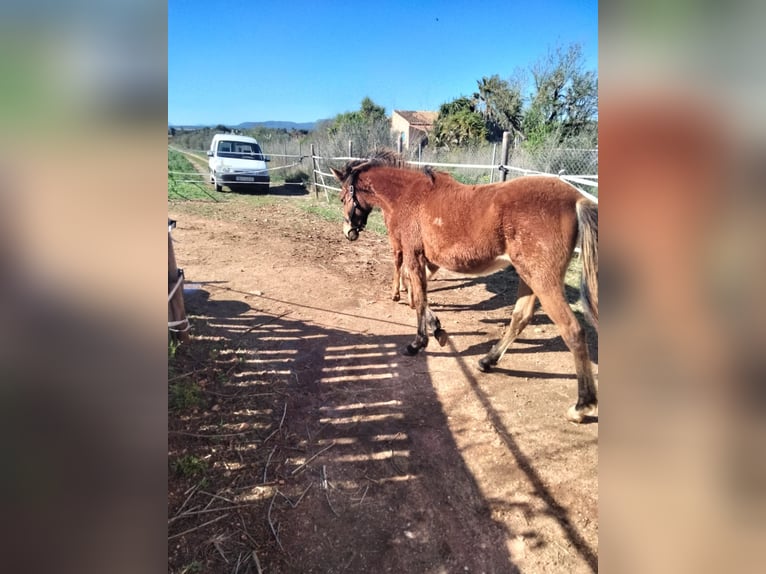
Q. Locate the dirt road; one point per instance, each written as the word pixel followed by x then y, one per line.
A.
pixel 324 449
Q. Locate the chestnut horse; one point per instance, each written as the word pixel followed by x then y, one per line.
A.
pixel 532 223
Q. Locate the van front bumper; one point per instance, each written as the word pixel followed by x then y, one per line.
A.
pixel 242 178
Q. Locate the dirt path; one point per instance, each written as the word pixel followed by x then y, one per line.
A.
pixel 335 453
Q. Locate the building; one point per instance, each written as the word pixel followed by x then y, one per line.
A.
pixel 412 127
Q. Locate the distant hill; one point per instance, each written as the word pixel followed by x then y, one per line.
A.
pixel 277 125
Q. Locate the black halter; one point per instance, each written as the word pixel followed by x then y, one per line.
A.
pixel 365 212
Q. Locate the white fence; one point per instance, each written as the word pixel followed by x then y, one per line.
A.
pixel 586 184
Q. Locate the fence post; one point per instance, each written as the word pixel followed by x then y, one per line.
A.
pixel 176 309
pixel 350 148
pixel 492 171
pixel 504 153
pixel 314 171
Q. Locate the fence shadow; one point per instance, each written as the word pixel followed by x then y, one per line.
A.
pixel 502 286
pixel 326 451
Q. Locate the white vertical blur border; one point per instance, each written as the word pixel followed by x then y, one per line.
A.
pixel 682 141
pixel 83 162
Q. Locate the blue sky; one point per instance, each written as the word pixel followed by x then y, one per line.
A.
pixel 236 61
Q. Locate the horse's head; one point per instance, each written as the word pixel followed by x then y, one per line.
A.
pixel 356 209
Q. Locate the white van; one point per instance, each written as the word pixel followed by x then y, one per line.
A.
pixel 238 163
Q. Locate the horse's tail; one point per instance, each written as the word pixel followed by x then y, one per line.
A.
pixel 587 221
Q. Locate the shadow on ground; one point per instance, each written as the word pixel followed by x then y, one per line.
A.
pixel 298 447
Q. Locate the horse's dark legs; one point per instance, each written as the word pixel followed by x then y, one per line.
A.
pixel 522 313
pixel 436 327
pixel 415 268
pixel 558 310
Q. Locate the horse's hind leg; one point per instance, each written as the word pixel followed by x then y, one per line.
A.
pixel 522 313
pixel 561 314
pixel 397 283
pixel 436 327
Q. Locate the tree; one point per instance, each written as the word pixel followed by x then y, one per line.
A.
pixel 565 99
pixel 368 127
pixel 500 103
pixel 459 124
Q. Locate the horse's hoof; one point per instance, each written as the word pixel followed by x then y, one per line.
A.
pixel 576 415
pixel 441 337
pixel 396 296
pixel 485 365
pixel 410 350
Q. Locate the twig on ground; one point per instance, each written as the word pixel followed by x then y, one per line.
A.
pixel 186 374
pixel 193 490
pixel 209 510
pixel 238 395
pixel 273 318
pixel 296 503
pixel 353 555
pixel 325 485
pixel 361 500
pixel 197 435
pixel 218 496
pixel 284 412
pixel 257 563
pixel 275 431
pixel 244 529
pixel 271 524
pixel 268 460
pixel 217 545
pixel 239 561
pixel 197 527
pixel 301 467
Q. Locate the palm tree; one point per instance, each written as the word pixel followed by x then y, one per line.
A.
pixel 500 104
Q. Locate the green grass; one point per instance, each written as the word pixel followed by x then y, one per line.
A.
pixel 188 466
pixel 185 183
pixel 333 212
pixel 183 396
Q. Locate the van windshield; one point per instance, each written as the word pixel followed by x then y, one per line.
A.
pixel 242 150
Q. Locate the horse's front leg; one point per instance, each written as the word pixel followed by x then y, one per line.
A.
pixel 415 271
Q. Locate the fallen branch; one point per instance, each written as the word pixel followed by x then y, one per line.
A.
pixel 361 500
pixel 188 498
pixel 296 503
pixel 196 435
pixel 208 510
pixel 325 486
pixel 271 524
pixel 268 460
pixel 198 527
pixel 257 563
pixel 301 467
pixel 284 412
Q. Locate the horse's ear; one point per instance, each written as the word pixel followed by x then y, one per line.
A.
pixel 338 174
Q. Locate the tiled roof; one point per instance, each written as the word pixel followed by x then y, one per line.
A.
pixel 418 118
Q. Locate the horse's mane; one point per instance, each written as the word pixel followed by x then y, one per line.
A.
pixel 380 157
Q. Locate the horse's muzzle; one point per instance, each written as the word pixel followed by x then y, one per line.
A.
pixel 351 233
